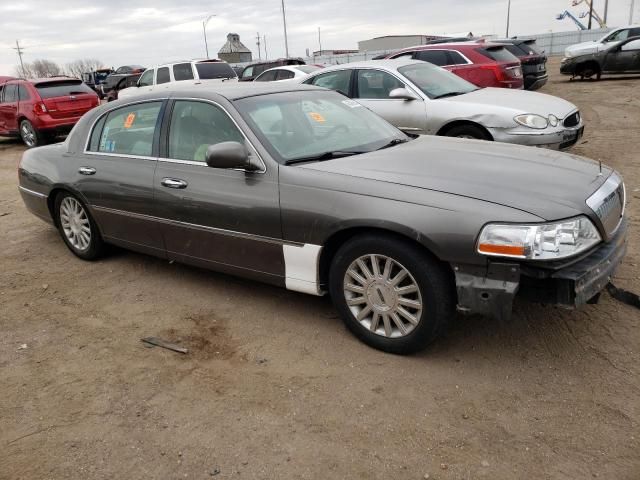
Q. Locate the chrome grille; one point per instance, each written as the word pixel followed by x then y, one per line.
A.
pixel 608 203
pixel 572 120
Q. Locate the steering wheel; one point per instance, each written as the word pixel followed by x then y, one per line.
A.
pixel 335 129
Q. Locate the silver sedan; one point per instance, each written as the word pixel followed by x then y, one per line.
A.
pixel 420 98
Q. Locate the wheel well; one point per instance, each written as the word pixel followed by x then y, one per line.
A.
pixel 51 202
pixel 460 123
pixel 333 244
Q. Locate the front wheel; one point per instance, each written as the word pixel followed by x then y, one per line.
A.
pixel 30 135
pixel 391 294
pixel 77 227
pixel 467 131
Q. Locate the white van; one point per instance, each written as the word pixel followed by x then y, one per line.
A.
pixel 179 75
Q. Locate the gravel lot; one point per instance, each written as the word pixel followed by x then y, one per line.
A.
pixel 275 387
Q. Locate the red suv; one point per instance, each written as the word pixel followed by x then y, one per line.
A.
pixel 39 110
pixel 481 63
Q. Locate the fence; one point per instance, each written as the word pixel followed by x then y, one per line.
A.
pixel 552 43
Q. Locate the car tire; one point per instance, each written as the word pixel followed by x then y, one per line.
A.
pixel 467 131
pixel 31 137
pixel 402 318
pixel 77 227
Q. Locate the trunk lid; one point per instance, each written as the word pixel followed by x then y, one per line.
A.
pixel 66 98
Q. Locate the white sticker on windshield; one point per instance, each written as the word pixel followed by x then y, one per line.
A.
pixel 351 103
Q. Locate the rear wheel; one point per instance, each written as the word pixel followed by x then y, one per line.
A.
pixel 77 227
pixel 467 131
pixel 390 293
pixel 30 135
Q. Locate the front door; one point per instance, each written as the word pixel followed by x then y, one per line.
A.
pixel 625 58
pixel 115 175
pixel 146 81
pixel 372 88
pixel 227 220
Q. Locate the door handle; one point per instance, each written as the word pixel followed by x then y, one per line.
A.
pixel 173 183
pixel 87 171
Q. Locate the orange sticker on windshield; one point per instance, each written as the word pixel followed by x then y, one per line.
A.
pixel 317 117
pixel 129 120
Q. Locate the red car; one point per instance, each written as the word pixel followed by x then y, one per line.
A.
pixel 481 63
pixel 39 110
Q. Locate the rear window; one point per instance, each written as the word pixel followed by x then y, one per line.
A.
pixel 308 68
pixel 211 70
pixel 516 50
pixel 182 71
pixel 499 54
pixel 62 89
pixel 531 48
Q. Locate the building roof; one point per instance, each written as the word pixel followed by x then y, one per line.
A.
pixel 233 45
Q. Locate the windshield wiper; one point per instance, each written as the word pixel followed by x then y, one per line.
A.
pixel 450 94
pixel 394 142
pixel 322 156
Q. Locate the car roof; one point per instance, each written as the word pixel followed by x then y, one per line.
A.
pixel 391 64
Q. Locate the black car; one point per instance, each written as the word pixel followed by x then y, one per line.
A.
pixel 125 81
pixel 534 61
pixel 252 71
pixel 300 187
pixel 621 58
pixel 121 72
pixel 96 79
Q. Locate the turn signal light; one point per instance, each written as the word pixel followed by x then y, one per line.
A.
pixel 511 250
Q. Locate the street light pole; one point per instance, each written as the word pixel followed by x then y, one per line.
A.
pixel 508 16
pixel 633 4
pixel 590 14
pixel 284 23
pixel 204 31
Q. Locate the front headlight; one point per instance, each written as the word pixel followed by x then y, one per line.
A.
pixel 532 120
pixel 544 241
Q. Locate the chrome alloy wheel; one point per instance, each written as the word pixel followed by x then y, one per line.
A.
pixel 28 134
pixel 75 223
pixel 383 296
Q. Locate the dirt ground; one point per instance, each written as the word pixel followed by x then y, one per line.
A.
pixel 275 387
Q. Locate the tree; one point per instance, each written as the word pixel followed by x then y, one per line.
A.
pixel 83 65
pixel 40 68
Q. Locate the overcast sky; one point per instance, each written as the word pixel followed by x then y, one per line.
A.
pixel 148 32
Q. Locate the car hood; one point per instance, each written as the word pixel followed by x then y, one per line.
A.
pixel 520 101
pixel 549 184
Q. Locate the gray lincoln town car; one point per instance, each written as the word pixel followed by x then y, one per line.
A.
pixel 301 187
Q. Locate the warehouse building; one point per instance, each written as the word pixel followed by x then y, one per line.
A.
pixel 396 42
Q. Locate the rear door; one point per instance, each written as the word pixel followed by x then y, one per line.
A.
pixel 9 108
pixel 625 58
pixel 66 98
pixel 228 220
pixel 372 88
pixel 115 175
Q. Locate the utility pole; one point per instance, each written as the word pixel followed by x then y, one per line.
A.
pixel 258 44
pixel 508 16
pixel 633 4
pixel 606 10
pixel 590 14
pixel 18 48
pixel 319 40
pixel 264 40
pixel 284 23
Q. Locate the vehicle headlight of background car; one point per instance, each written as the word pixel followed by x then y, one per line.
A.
pixel 536 121
pixel 546 241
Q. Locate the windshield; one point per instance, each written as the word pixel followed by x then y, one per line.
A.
pixel 436 82
pixel 306 124
pixel 211 70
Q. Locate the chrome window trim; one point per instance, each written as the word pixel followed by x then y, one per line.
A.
pixel 31 192
pixel 107 112
pixel 212 102
pixel 220 231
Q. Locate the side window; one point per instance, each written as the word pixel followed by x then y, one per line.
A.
pixel 455 58
pixel 338 81
pixel 129 130
pixel 376 84
pixel 182 71
pixel 632 45
pixel 258 69
pixel 284 75
pixel 247 72
pixel 619 36
pixel 163 75
pixel 23 94
pixel 197 125
pixel 146 79
pixel 267 76
pixel 10 93
pixel 635 32
pixel 437 57
pixel 1 90
pixel 406 55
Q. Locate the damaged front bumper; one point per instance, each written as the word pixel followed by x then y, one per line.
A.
pixel 558 138
pixel 490 290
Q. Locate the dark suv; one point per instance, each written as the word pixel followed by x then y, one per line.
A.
pixel 534 61
pixel 252 71
pixel 40 109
